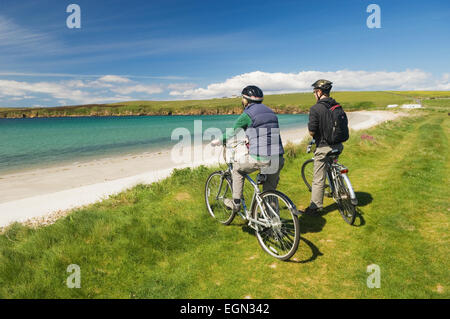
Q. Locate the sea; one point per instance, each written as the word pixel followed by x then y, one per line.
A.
pixel 42 142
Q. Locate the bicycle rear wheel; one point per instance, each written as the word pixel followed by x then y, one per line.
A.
pixel 345 206
pixel 282 237
pixel 217 189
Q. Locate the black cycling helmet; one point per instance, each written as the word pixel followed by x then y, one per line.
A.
pixel 323 85
pixel 253 93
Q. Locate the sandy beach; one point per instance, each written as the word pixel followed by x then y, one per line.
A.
pixel 39 193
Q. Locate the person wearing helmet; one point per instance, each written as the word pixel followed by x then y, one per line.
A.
pixel 316 126
pixel 265 149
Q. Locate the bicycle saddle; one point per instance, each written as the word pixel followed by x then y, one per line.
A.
pixel 261 178
pixel 333 153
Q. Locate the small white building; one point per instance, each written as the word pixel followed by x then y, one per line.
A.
pixel 411 106
pixel 392 105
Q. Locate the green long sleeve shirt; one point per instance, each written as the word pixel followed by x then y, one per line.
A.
pixel 243 122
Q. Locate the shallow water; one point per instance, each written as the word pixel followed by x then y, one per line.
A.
pixel 40 142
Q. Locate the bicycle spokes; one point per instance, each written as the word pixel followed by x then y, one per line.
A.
pixel 280 236
pixel 217 189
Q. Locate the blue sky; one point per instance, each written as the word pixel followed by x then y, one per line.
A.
pixel 157 50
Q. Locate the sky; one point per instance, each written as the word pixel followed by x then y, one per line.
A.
pixel 172 50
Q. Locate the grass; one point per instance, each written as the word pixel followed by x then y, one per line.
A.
pixel 158 241
pixel 283 103
pixel 437 103
pixel 424 94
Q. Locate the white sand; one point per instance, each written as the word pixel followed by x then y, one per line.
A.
pixel 40 192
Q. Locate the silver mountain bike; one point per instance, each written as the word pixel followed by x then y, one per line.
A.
pixel 337 184
pixel 271 214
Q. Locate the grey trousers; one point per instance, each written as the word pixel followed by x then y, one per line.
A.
pixel 249 165
pixel 318 184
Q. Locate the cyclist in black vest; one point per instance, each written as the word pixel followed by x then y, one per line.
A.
pixel 317 125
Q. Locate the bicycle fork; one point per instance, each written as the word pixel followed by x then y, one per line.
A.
pixel 332 176
pixel 353 198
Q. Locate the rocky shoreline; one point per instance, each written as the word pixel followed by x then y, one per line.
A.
pixel 15 114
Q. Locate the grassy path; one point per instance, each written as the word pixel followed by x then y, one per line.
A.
pixel 157 241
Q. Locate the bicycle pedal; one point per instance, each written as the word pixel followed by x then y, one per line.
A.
pixel 253 226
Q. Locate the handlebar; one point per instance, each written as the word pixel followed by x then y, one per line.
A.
pixel 311 143
pixel 234 144
pixel 231 146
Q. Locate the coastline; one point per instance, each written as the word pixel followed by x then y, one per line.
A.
pixel 41 193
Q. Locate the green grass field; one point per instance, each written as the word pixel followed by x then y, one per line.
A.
pixel 283 103
pixel 158 241
pixel 424 94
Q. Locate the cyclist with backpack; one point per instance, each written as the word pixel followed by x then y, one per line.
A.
pixel 328 125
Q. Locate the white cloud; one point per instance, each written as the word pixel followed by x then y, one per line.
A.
pixel 139 88
pixel 74 91
pixel 114 79
pixel 114 88
pixel 18 40
pixel 272 83
pixel 79 76
pixel 181 86
pixel 177 89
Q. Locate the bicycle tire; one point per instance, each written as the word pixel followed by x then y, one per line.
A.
pixel 215 205
pixel 308 176
pixel 280 233
pixel 308 173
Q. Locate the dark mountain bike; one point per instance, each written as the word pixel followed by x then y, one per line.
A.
pixel 337 184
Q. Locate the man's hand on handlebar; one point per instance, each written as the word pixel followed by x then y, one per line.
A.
pixel 216 142
pixel 308 148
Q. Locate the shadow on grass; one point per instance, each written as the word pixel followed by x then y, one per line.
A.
pixel 311 224
pixel 359 220
pixel 364 199
pixel 315 252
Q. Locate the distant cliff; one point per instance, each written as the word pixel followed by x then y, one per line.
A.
pixel 295 103
pixel 126 110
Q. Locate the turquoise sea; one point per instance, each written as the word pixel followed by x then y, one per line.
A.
pixel 40 142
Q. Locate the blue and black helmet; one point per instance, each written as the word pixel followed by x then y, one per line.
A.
pixel 253 93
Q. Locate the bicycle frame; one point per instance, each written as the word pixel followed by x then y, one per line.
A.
pixel 259 202
pixel 256 193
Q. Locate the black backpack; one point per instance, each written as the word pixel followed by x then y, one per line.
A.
pixel 335 128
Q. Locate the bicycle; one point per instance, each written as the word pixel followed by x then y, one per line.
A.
pixel 272 214
pixel 337 186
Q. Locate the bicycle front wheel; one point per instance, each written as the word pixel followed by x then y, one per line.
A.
pixel 308 173
pixel 217 189
pixel 308 177
pixel 281 235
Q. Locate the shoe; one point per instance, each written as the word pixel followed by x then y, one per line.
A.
pixel 309 211
pixel 229 204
